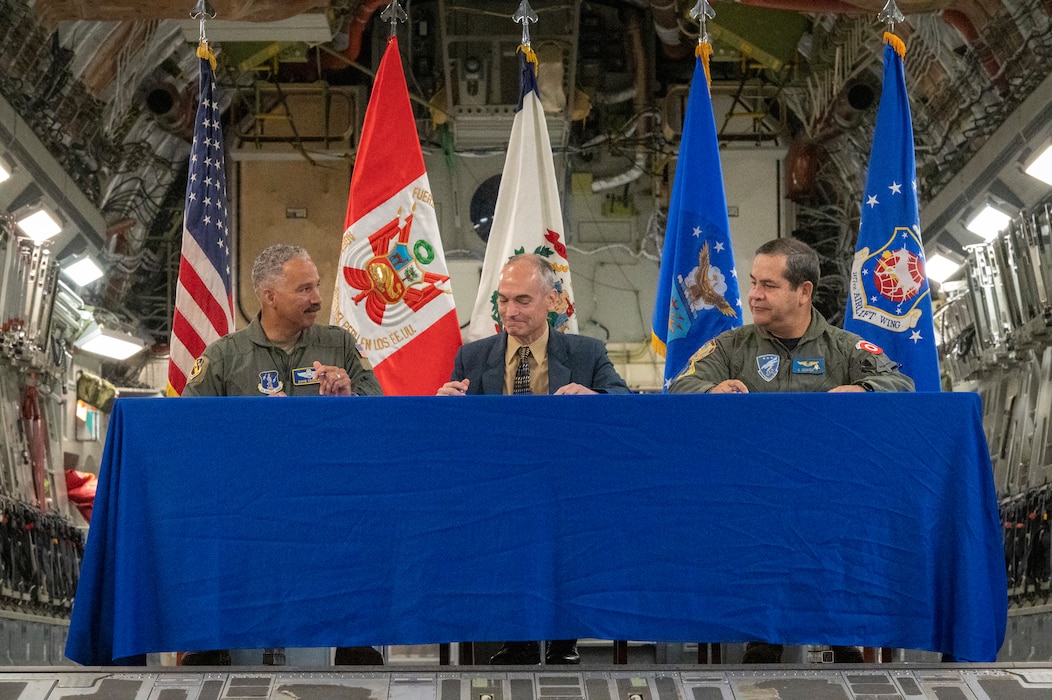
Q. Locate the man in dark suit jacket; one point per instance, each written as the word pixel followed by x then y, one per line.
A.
pixel 571 364
pixel 529 358
pixel 576 365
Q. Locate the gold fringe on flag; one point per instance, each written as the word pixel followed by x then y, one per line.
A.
pixel 703 51
pixel 895 43
pixel 531 56
pixel 205 51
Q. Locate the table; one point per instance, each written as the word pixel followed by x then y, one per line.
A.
pixel 865 519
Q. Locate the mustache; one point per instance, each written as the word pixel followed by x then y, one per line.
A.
pixel 313 308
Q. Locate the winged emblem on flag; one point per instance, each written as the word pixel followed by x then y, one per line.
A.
pixel 701 289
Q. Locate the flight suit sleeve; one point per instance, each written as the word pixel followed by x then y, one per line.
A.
pixel 707 367
pixel 876 371
pixel 206 378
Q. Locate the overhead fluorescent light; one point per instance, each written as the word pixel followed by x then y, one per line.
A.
pixel 108 343
pixel 1041 168
pixel 309 27
pixel 940 268
pixel 39 225
pixel 989 222
pixel 82 271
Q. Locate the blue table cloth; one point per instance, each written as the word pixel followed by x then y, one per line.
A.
pixel 797 518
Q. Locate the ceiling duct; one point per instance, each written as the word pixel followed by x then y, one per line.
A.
pixel 22 146
pixel 277 121
pixel 996 165
pixel 310 28
pixel 482 69
pixel 173 108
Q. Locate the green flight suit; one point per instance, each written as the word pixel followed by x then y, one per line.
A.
pixel 246 363
pixel 825 357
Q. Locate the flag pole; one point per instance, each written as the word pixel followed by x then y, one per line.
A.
pixel 890 15
pixel 204 308
pixel 527 216
pixel 697 293
pixel 889 297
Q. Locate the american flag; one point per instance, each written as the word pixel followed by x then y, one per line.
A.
pixel 204 308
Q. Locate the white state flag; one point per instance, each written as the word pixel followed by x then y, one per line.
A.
pixel 528 216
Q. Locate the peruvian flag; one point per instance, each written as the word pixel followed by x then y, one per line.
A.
pixel 392 286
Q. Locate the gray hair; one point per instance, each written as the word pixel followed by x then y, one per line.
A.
pixel 269 264
pixel 543 267
pixel 801 261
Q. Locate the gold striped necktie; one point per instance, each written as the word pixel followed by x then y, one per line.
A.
pixel 522 373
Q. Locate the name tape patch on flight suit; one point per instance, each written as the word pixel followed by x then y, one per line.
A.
pixel 816 366
pixel 302 376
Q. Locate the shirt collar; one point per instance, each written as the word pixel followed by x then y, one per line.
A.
pixel 538 348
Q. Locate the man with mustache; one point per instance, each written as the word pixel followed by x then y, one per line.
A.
pixel 788 347
pixel 282 352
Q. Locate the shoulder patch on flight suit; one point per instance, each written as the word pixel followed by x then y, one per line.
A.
pixel 704 351
pixel 197 373
pixel 868 347
pixel 699 354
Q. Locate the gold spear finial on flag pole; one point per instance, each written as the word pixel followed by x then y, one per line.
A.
pixel 702 12
pixel 394 14
pixel 203 11
pixel 524 16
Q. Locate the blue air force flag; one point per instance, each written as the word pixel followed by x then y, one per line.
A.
pixel 889 301
pixel 697 294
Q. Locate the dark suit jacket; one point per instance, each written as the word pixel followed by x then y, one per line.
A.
pixel 571 359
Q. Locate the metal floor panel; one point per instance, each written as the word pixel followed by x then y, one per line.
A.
pixel 884 682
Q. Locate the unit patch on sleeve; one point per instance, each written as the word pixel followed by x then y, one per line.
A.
pixel 868 347
pixel 703 352
pixel 200 365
